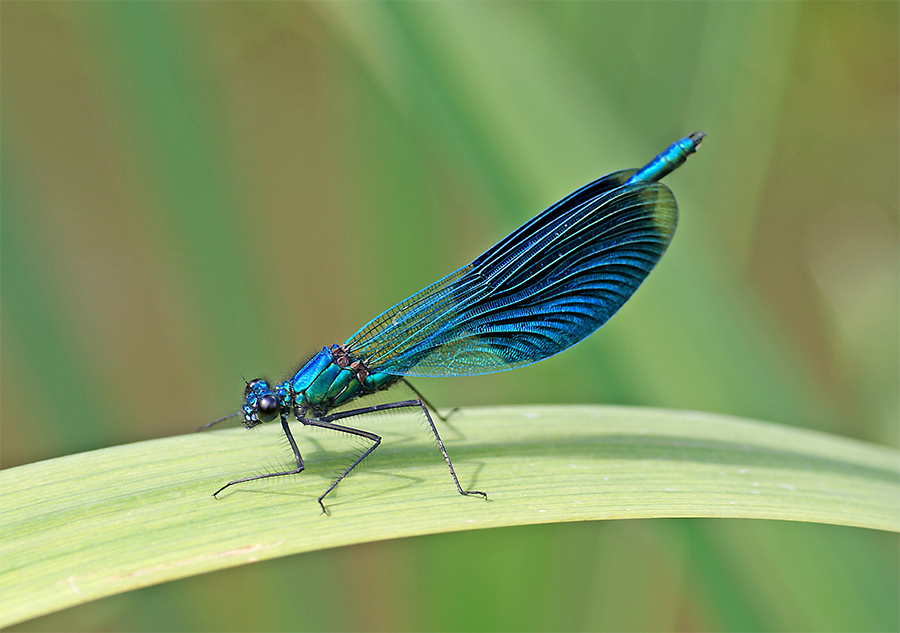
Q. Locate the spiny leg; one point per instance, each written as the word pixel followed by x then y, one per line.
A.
pixel 384 407
pixel 296 471
pixel 440 442
pixel 326 424
pixel 428 404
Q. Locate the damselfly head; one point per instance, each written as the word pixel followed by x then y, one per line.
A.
pixel 260 404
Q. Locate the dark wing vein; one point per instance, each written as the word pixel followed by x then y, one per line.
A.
pixel 545 287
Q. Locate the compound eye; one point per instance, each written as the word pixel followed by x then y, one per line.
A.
pixel 267 408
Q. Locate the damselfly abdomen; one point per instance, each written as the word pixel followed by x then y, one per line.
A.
pixel 545 287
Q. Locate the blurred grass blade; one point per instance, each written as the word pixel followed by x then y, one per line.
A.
pixel 94 524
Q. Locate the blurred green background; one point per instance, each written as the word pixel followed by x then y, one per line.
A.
pixel 195 191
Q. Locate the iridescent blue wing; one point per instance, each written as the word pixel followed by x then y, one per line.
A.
pixel 545 287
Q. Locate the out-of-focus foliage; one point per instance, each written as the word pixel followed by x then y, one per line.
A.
pixel 191 191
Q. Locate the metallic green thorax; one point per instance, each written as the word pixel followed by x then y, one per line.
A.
pixel 537 292
pixel 330 379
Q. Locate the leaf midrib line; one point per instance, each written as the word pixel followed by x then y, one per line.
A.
pixel 84 526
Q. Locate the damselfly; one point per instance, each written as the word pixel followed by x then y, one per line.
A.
pixel 545 287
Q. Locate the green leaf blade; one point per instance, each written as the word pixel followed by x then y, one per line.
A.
pixel 90 525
